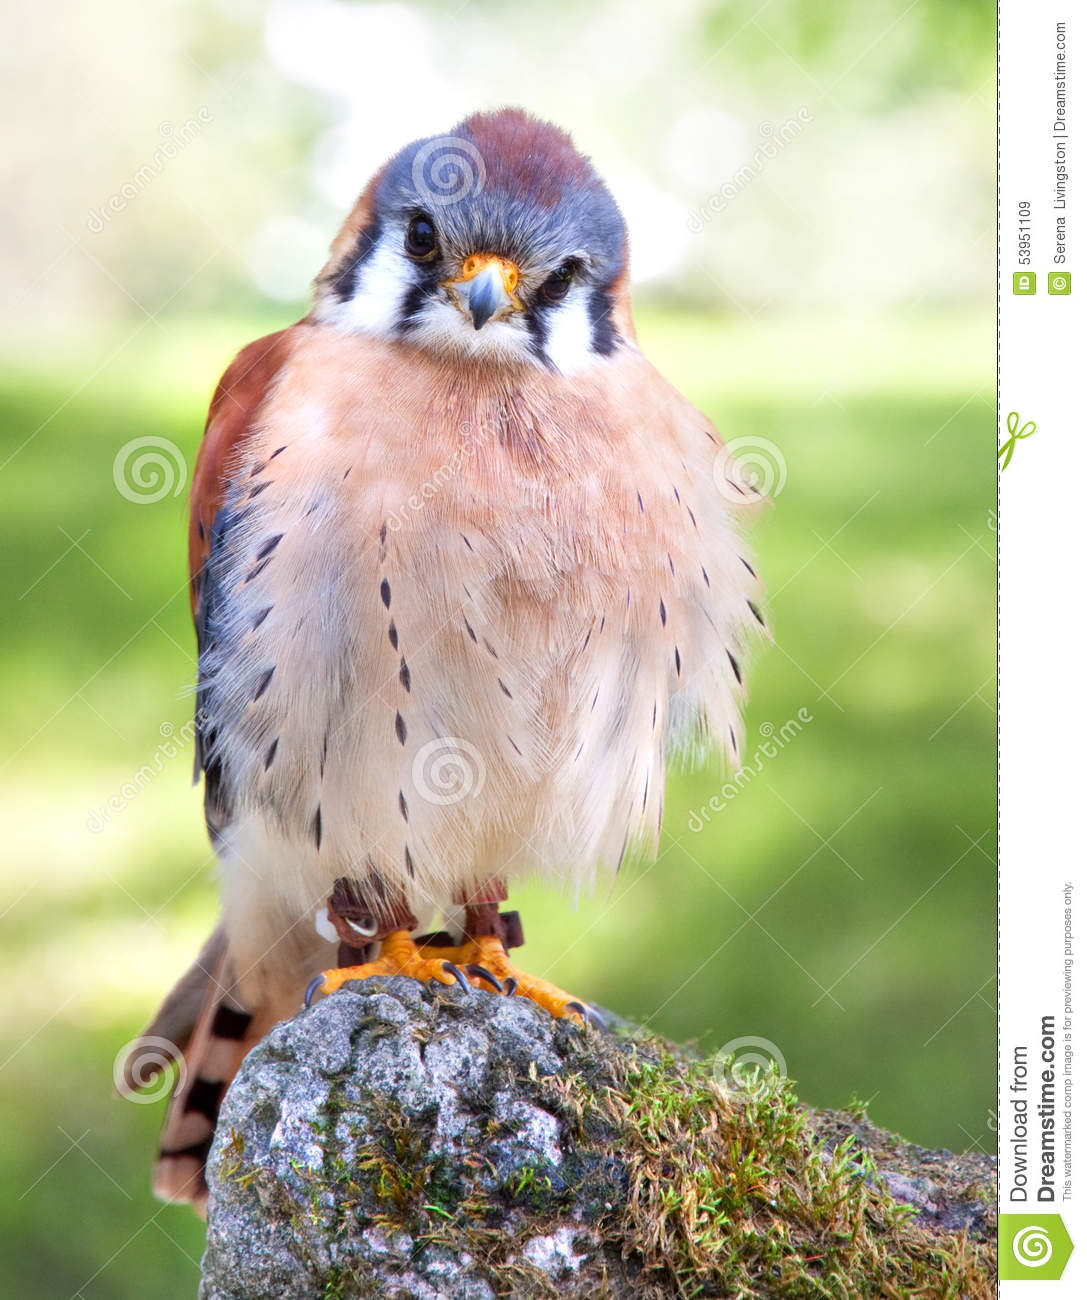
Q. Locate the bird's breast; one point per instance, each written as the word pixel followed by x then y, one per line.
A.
pixel 452 624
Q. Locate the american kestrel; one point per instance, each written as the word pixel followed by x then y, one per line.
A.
pixel 465 570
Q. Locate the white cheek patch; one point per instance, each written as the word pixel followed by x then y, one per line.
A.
pixel 381 284
pixel 570 332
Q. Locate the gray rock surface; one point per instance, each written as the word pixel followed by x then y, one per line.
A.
pixel 409 1141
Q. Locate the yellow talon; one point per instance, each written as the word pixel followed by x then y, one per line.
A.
pixel 487 953
pixel 399 955
pixel 481 962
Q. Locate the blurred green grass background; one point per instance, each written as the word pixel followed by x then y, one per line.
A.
pixel 842 904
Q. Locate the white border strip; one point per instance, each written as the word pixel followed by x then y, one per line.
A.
pixel 1043 624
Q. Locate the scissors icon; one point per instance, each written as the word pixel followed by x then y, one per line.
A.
pixel 1016 435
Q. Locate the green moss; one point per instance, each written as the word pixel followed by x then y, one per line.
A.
pixel 233 1167
pixel 334 1285
pixel 734 1193
pixel 531 1186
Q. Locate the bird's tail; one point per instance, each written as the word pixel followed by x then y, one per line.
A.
pixel 204 1029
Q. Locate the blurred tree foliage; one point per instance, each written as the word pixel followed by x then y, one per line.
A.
pixel 905 51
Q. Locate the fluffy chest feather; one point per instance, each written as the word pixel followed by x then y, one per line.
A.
pixel 457 621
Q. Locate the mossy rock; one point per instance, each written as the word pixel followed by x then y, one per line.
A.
pixel 400 1140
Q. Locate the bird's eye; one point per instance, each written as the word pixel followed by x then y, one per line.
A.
pixel 557 284
pixel 421 239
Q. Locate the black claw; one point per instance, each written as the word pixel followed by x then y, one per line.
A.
pixel 511 985
pixel 596 1019
pixel 481 972
pixel 312 987
pixel 457 973
pixel 586 1013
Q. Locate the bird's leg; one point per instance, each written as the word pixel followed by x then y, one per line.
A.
pixel 373 926
pixel 371 920
pixel 484 956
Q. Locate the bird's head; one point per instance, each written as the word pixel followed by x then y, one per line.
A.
pixel 497 241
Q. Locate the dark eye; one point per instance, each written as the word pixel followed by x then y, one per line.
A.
pixel 557 284
pixel 421 239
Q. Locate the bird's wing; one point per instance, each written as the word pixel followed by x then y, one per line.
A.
pixel 234 414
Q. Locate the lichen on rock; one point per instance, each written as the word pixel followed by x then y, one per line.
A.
pixel 408 1141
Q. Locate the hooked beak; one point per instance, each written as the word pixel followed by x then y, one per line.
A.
pixel 485 288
